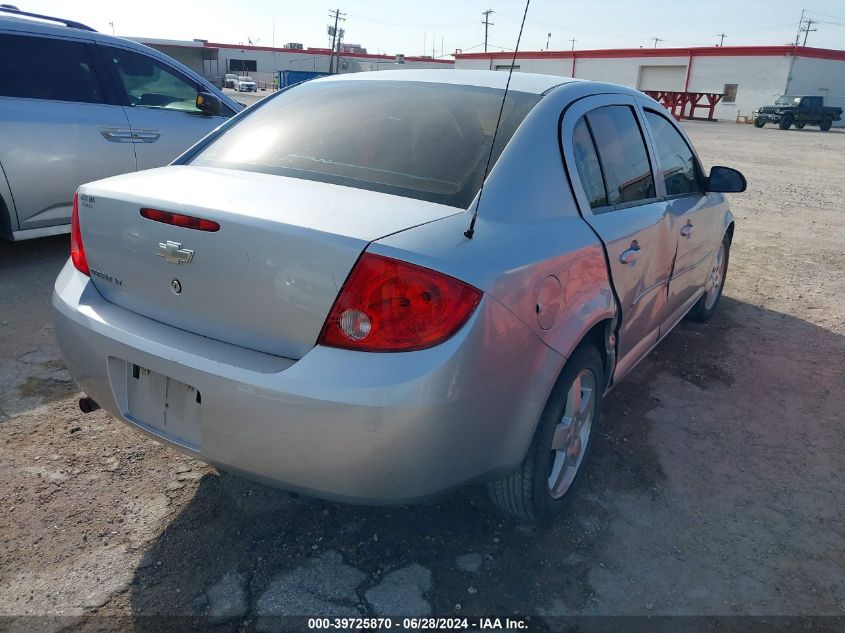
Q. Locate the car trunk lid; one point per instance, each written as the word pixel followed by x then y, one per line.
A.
pixel 266 279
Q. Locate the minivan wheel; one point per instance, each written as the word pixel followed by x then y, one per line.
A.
pixel 542 485
pixel 705 308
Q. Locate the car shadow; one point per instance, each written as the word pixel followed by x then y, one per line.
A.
pixel 234 526
pixel 833 130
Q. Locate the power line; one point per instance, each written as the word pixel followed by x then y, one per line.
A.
pixel 826 15
pixel 829 22
pixel 405 25
pixel 487 24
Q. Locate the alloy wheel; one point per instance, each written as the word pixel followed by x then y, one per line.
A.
pixel 572 433
pixel 715 279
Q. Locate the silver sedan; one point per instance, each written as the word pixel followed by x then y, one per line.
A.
pixel 322 296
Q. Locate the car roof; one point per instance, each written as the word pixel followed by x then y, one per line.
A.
pixel 13 22
pixel 10 22
pixel 520 82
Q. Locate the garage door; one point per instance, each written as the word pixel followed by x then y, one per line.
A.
pixel 662 77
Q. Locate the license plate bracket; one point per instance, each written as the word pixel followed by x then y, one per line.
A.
pixel 163 404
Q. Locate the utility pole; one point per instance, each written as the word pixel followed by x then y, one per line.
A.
pixel 723 36
pixel 340 35
pixel 809 22
pixel 573 40
pixel 337 15
pixel 111 24
pixel 548 39
pixel 487 24
pixel 800 25
pixel 656 40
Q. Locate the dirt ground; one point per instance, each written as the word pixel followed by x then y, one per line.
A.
pixel 716 484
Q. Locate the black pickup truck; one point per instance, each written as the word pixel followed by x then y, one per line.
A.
pixel 797 111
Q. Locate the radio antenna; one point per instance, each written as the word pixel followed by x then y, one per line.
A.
pixel 471 230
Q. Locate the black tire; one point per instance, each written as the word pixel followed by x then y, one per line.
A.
pixel 826 124
pixel 700 311
pixel 799 126
pixel 525 492
pixel 785 121
pixel 759 122
pixel 5 221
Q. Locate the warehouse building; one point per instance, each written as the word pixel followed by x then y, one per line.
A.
pixel 746 76
pixel 262 63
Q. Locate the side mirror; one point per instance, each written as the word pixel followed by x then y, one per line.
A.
pixel 725 180
pixel 208 104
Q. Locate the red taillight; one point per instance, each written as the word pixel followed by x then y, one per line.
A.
pixel 387 305
pixel 77 250
pixel 177 219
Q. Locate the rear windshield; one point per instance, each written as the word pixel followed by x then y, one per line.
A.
pixel 419 140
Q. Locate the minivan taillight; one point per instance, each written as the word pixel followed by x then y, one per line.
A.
pixel 387 305
pixel 77 250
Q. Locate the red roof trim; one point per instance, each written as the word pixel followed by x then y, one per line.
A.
pixel 325 51
pixel 711 51
pixel 196 47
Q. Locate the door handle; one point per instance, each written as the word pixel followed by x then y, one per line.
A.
pixel 145 136
pixel 117 135
pixel 686 230
pixel 630 256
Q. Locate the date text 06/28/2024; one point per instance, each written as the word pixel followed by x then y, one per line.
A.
pixel 419 624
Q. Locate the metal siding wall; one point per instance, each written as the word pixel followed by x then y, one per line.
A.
pixel 662 77
pixel 760 80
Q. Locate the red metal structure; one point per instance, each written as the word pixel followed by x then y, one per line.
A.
pixel 683 105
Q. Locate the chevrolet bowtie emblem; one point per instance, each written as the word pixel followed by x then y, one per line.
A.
pixel 173 253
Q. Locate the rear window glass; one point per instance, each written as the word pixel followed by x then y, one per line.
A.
pixel 420 140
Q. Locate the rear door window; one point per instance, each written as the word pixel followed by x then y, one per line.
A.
pixel 47 68
pixel 677 162
pixel 622 154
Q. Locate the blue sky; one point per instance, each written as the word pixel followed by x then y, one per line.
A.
pixel 404 27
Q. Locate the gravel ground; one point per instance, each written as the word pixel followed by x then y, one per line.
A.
pixel 715 487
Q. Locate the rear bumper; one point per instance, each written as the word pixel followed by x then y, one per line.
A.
pixel 376 428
